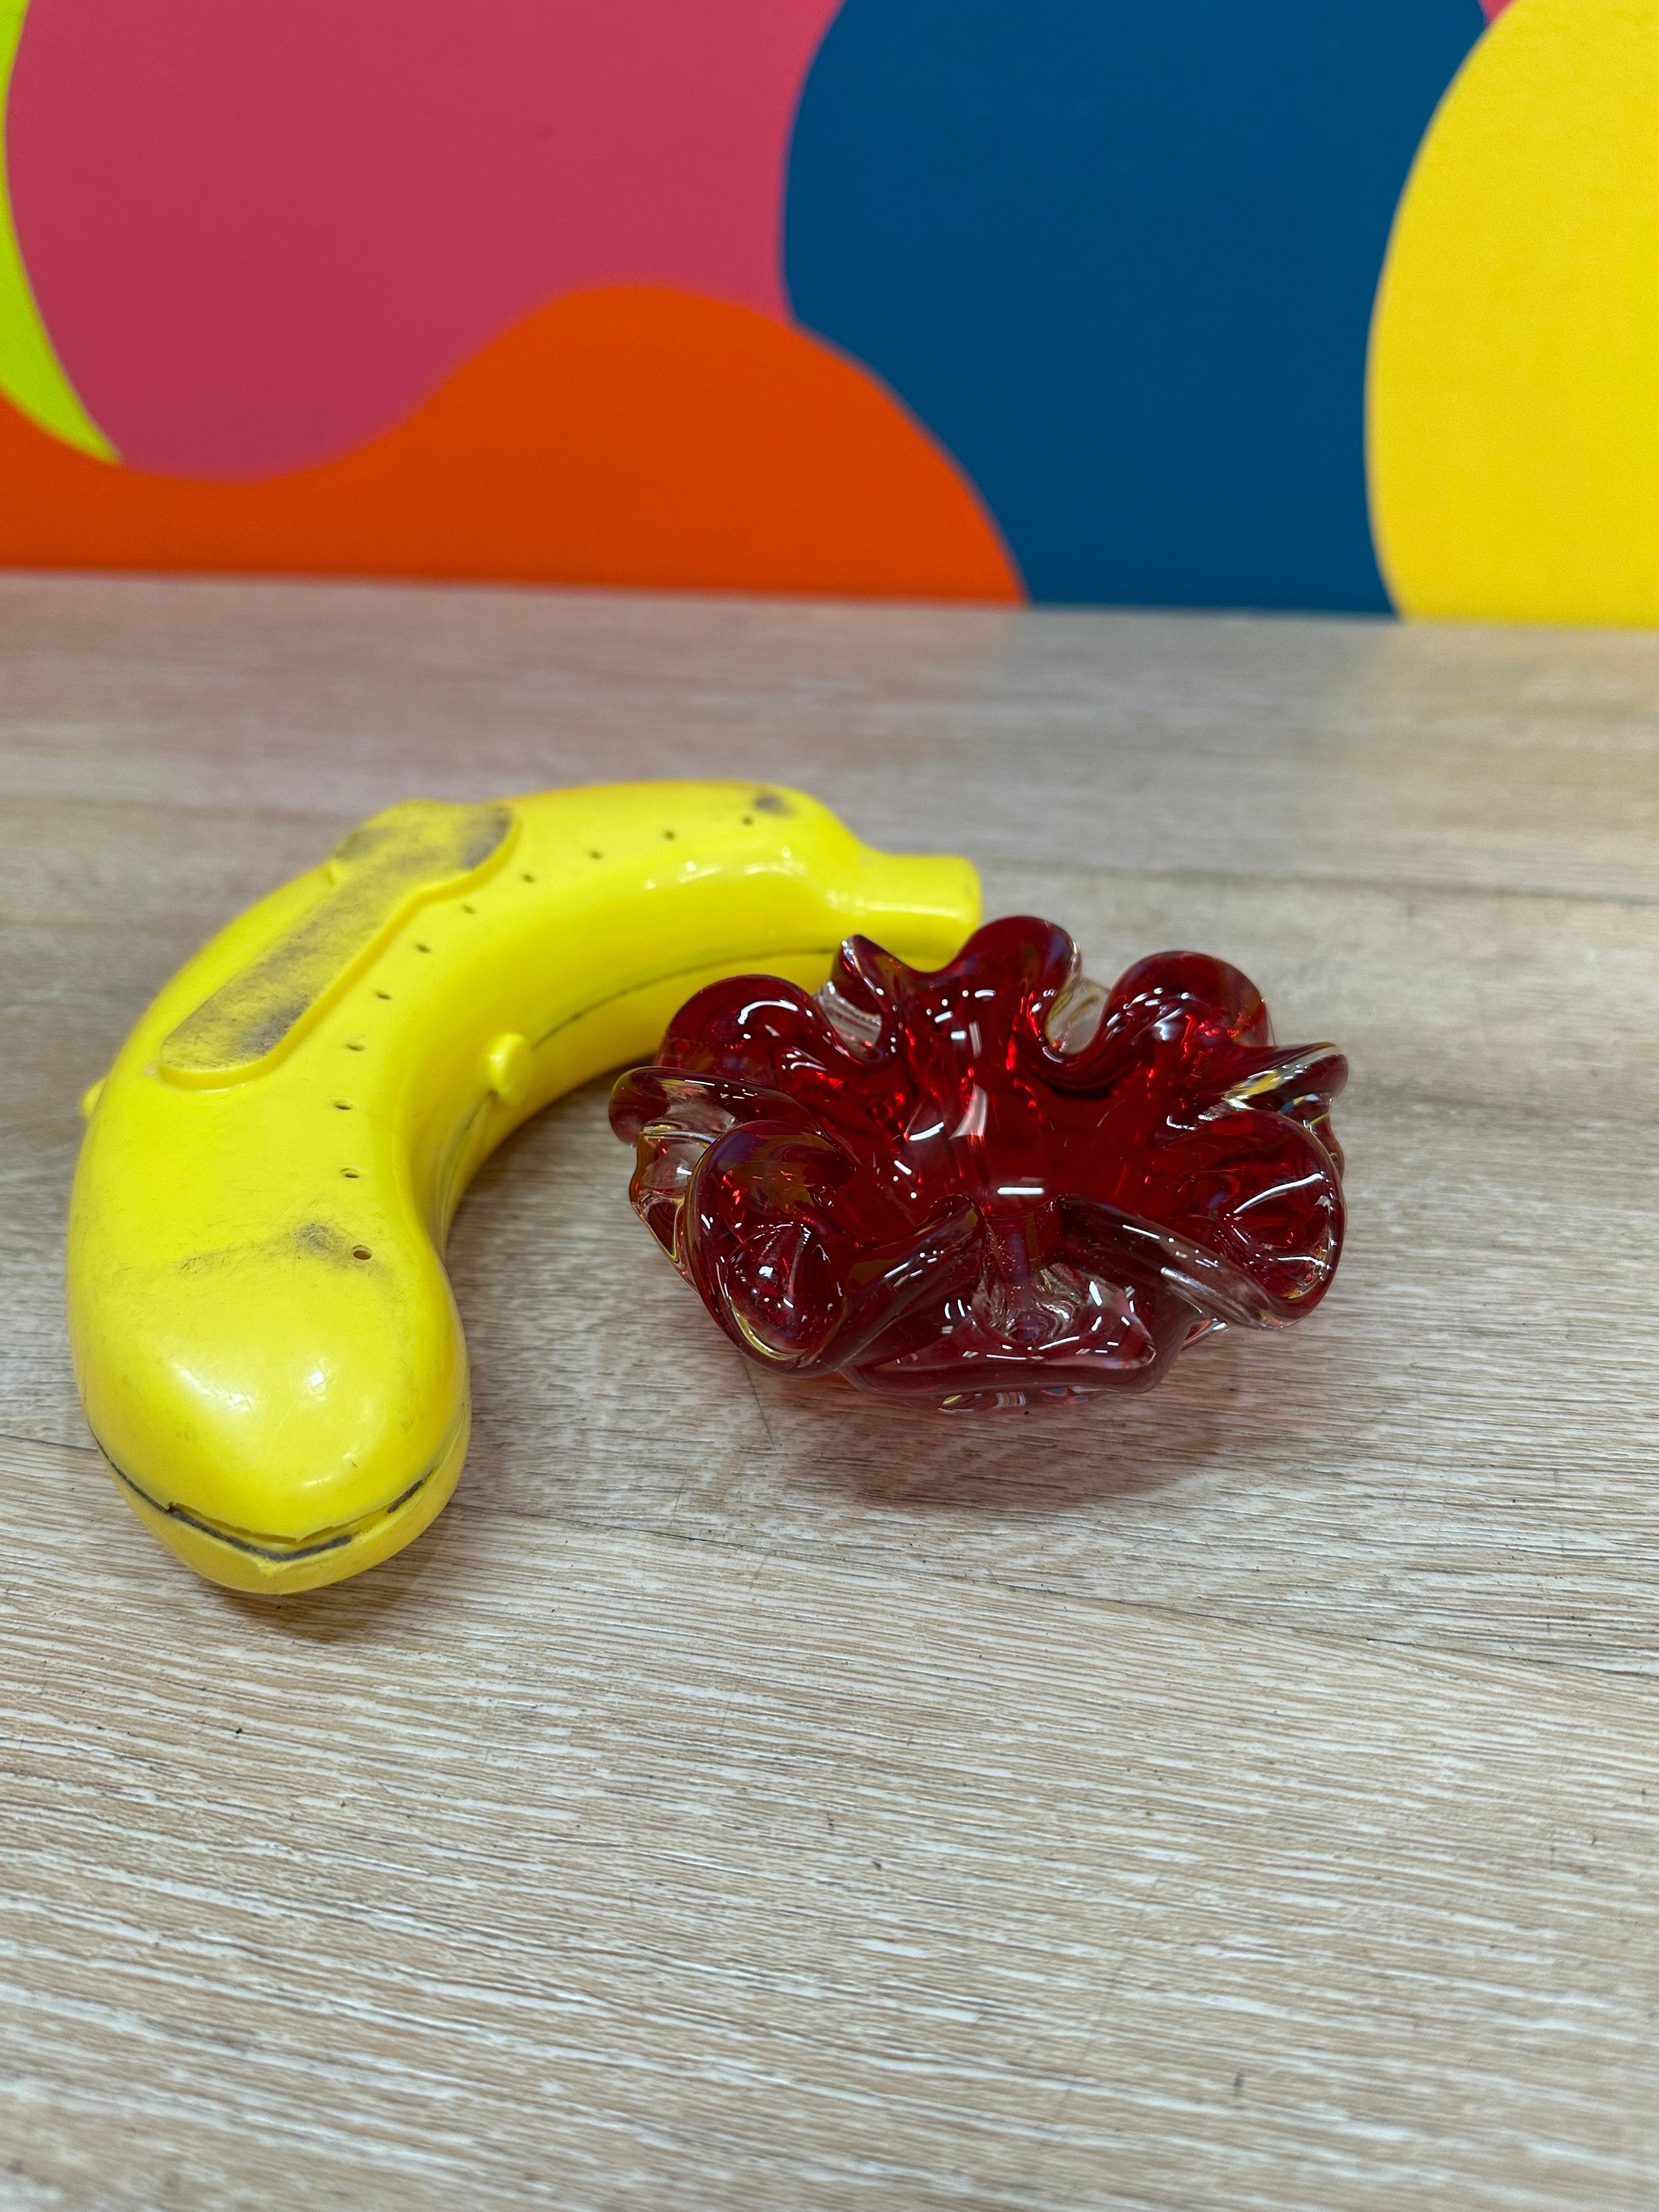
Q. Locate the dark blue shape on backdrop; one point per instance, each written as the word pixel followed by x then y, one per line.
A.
pixel 1119 257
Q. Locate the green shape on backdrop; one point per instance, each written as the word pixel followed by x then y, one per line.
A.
pixel 31 375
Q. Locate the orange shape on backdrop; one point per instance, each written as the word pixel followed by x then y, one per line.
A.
pixel 631 435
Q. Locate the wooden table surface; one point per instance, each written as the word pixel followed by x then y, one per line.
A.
pixel 1245 1796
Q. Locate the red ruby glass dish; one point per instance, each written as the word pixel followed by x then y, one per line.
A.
pixel 992 1184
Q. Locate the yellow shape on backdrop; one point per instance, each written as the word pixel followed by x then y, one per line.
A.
pixel 31 375
pixel 1513 386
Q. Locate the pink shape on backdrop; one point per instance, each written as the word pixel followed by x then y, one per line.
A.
pixel 259 234
pixel 1494 7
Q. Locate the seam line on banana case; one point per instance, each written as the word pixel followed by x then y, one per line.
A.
pixel 273 1551
pixel 657 982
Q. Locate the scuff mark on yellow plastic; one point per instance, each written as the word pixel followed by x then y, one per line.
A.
pixel 375 880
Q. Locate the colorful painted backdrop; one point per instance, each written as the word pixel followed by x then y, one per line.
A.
pixel 1341 304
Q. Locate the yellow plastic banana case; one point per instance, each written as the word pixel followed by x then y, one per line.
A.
pixel 264 1337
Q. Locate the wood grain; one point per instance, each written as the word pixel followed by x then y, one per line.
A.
pixel 750 1795
pixel 566 1869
